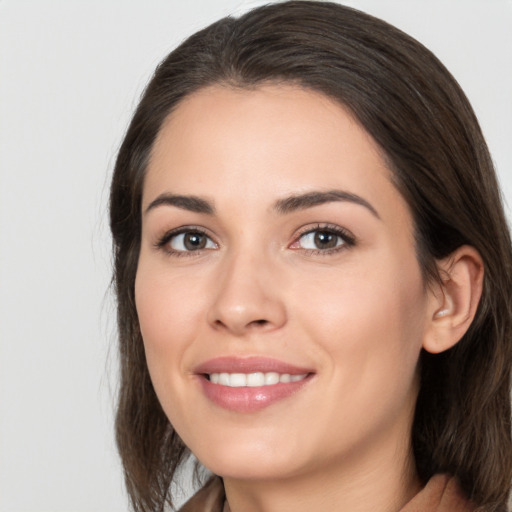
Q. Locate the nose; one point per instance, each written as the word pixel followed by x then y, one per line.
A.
pixel 248 297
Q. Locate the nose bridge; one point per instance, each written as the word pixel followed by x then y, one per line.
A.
pixel 247 295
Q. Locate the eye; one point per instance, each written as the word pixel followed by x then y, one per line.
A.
pixel 324 239
pixel 186 241
pixel 320 240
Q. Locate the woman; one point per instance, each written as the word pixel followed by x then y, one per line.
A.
pixel 313 274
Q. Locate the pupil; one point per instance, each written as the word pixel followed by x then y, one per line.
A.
pixel 194 241
pixel 325 240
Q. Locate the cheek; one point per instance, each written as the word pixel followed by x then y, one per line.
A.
pixel 169 309
pixel 369 322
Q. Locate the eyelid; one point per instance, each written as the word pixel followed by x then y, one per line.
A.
pixel 348 238
pixel 163 241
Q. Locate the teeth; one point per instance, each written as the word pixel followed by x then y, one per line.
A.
pixel 255 379
pixel 271 378
pixel 238 380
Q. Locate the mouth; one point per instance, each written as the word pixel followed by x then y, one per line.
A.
pixel 253 380
pixel 247 385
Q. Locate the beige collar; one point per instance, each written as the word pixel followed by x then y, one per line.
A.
pixel 441 494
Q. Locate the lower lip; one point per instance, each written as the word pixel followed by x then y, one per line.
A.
pixel 249 399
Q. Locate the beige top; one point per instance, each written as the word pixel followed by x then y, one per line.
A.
pixel 441 494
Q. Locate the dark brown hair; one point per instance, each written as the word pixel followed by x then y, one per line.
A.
pixel 414 109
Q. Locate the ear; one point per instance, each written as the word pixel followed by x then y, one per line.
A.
pixel 454 301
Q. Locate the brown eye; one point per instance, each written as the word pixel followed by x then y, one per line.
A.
pixel 191 241
pixel 321 240
pixel 325 240
pixel 194 241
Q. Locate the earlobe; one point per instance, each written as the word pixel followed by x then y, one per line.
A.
pixel 455 299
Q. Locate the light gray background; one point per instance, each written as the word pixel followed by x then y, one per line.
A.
pixel 70 74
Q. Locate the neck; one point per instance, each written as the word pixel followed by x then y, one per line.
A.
pixel 384 481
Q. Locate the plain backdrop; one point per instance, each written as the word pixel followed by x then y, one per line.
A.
pixel 70 76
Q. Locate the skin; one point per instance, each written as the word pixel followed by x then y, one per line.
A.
pixel 357 316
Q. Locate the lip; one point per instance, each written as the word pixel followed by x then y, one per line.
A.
pixel 249 365
pixel 249 399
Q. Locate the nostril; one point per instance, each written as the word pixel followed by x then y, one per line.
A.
pixel 259 322
pixel 219 323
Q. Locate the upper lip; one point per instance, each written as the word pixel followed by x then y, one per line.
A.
pixel 229 364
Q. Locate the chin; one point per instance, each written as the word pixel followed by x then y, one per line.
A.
pixel 248 470
pixel 248 462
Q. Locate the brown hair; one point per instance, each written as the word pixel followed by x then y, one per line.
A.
pixel 417 113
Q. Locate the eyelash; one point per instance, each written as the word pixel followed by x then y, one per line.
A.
pixel 346 236
pixel 163 242
pixel 348 240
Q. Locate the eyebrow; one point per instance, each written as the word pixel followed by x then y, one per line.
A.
pixel 310 199
pixel 191 203
pixel 282 206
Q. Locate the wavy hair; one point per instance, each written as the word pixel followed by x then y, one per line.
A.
pixel 419 116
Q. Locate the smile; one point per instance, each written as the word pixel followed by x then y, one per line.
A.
pixel 248 385
pixel 253 380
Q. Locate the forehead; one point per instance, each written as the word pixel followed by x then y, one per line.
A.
pixel 264 143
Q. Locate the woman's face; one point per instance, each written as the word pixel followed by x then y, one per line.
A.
pixel 279 296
